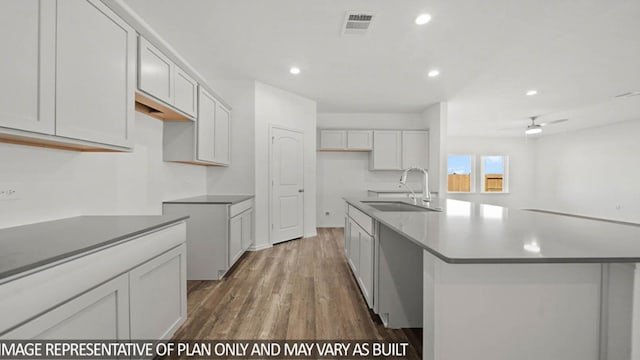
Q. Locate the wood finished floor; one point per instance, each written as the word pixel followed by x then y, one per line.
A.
pixel 297 290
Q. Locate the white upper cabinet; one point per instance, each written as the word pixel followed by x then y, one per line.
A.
pixel 95 72
pixel 155 73
pixel 400 149
pixel 162 80
pixel 415 149
pixel 185 94
pixel 222 135
pixel 70 78
pixel 28 72
pixel 387 150
pixel 204 142
pixel 333 139
pixel 359 139
pixel 206 126
pixel 345 140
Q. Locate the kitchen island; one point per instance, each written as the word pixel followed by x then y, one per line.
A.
pixel 488 282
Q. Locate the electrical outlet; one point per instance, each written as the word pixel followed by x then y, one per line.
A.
pixel 8 194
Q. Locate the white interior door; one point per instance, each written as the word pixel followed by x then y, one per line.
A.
pixel 287 191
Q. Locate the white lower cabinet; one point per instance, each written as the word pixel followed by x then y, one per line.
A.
pixel 247 229
pixel 133 290
pixel 354 246
pixel 366 266
pixel 235 238
pixel 360 247
pixel 158 292
pixel 240 234
pixel 217 235
pixel 101 313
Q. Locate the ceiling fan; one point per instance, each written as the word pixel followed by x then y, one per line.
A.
pixel 534 128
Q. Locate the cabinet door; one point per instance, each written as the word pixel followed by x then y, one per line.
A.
pixel 247 229
pixel 222 135
pixel 387 150
pixel 185 92
pixel 27 89
pixel 95 74
pixel 155 73
pixel 99 314
pixel 366 266
pixel 158 290
pixel 415 149
pixel 333 139
pixel 347 236
pixel 359 139
pixel 354 246
pixel 206 120
pixel 235 239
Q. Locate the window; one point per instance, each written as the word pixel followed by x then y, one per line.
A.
pixel 459 173
pixel 494 171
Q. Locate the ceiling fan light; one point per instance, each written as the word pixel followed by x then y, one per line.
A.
pixel 533 129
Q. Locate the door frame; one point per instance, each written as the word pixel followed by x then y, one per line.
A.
pixel 270 175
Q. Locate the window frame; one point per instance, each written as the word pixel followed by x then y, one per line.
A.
pixel 505 179
pixel 472 176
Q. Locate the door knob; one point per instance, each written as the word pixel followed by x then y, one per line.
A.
pixel 300 190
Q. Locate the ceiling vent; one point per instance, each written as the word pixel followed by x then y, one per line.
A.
pixel 629 94
pixel 357 23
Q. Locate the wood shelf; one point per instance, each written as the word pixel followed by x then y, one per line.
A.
pixel 53 142
pixel 157 110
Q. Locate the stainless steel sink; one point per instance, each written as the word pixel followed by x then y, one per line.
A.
pixel 396 206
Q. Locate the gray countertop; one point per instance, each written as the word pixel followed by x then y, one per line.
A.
pixel 465 232
pixel 211 199
pixel 399 191
pixel 27 247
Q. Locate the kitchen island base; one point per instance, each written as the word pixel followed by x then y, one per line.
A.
pixel 526 311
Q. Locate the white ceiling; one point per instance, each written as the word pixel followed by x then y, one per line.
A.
pixel 578 54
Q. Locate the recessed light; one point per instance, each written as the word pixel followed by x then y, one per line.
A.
pixel 433 73
pixel 294 70
pixel 423 19
pixel 532 92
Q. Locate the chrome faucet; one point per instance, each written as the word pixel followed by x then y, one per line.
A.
pixel 426 196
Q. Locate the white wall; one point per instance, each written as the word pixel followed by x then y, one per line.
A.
pixel 521 168
pixel 274 106
pixel 591 172
pixel 346 174
pixel 239 177
pixel 54 184
pixel 370 120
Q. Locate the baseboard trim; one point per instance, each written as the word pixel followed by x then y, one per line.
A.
pixel 258 248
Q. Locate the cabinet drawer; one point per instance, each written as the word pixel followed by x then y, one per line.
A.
pixel 240 207
pixel 362 219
